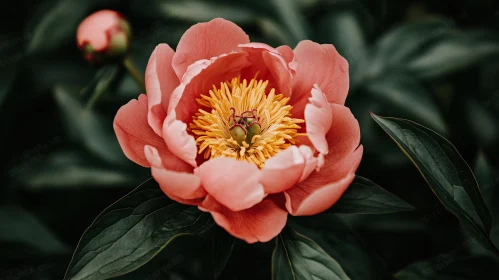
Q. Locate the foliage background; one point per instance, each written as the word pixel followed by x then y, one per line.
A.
pixel 434 62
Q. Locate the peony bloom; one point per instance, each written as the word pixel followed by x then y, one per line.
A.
pixel 245 131
pixel 104 35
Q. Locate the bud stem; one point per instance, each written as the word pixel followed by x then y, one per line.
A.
pixel 127 62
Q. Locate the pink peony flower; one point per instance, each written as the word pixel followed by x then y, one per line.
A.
pixel 243 130
pixel 103 35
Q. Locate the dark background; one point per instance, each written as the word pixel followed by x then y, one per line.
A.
pixel 434 62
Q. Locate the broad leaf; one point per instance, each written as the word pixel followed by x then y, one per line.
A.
pixel 58 26
pixel 290 14
pixel 403 42
pixel 408 95
pixel 88 127
pixel 299 257
pixel 69 169
pixel 454 52
pixel 132 231
pixel 446 172
pixel 344 245
pixel 365 197
pixel 19 227
pixel 450 266
pixel 200 11
pixel 223 244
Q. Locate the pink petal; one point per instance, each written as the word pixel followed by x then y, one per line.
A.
pixel 184 184
pixel 232 183
pixel 259 223
pixel 270 65
pixel 178 141
pixel 133 131
pixel 160 81
pixel 288 55
pixel 311 162
pixel 200 79
pixel 322 189
pixel 283 170
pixel 322 65
pixel 318 119
pixel 207 40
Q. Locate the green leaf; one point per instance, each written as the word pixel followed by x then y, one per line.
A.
pixel 18 226
pixel 200 11
pixel 340 242
pixel 87 127
pixel 450 266
pixel 223 244
pixel 365 197
pixel 71 169
pixel 58 25
pixel 132 231
pixel 408 95
pixel 299 257
pixel 289 13
pixel 445 171
pixel 455 52
pixel 405 41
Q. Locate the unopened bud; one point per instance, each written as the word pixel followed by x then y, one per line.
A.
pixel 104 36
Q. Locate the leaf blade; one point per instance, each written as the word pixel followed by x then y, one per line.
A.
pixel 132 231
pixel 445 171
pixel 365 197
pixel 302 258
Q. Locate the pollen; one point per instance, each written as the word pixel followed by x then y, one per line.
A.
pixel 244 121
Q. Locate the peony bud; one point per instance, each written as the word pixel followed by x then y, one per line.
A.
pixel 103 36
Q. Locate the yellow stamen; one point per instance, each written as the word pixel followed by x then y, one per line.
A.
pixel 211 126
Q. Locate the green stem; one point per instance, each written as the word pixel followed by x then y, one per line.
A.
pixel 127 62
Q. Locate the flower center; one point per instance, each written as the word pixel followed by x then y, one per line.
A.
pixel 241 120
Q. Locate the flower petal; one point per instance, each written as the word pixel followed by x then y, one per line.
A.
pixel 283 170
pixel 318 119
pixel 322 65
pixel 200 79
pixel 178 141
pixel 270 65
pixel 160 80
pixel 184 184
pixel 259 223
pixel 288 55
pixel 231 182
pixel 207 40
pixel 322 189
pixel 311 162
pixel 133 131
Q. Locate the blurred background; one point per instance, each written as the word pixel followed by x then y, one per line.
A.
pixel 433 62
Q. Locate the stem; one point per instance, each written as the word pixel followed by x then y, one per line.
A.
pixel 127 62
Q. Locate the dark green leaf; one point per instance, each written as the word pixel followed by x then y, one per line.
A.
pixel 446 172
pixel 199 11
pixel 73 169
pixel 132 231
pixel 450 266
pixel 455 52
pixel 403 42
pixel 17 226
pixel 87 127
pixel 299 257
pixel 365 197
pixel 407 94
pixel 58 26
pixel 223 244
pixel 340 242
pixel 290 14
